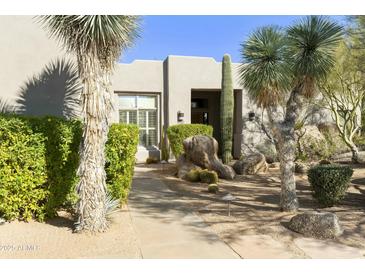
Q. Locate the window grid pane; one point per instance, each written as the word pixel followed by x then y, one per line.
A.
pixel 140 110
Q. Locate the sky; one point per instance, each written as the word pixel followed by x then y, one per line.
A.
pixel 208 36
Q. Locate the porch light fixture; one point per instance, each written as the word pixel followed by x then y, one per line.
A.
pixel 251 116
pixel 180 116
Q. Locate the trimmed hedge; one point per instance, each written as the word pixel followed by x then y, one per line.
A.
pixel 62 141
pixel 329 183
pixel 23 175
pixel 121 149
pixel 39 159
pixel 178 133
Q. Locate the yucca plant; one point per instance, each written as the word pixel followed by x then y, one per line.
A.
pixel 285 64
pixel 97 41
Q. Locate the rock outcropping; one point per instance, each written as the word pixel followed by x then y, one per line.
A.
pixel 321 225
pixel 252 164
pixel 201 151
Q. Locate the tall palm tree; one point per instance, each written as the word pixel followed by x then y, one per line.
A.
pixel 282 64
pixel 97 41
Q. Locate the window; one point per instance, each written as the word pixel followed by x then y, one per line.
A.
pixel 142 111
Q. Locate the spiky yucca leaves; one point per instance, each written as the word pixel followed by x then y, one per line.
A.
pixel 97 41
pixel 264 72
pixel 312 43
pixel 292 60
pixel 227 109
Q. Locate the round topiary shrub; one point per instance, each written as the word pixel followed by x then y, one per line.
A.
pixel 329 183
pixel 213 188
pixel 208 176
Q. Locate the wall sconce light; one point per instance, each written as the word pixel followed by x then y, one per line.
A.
pixel 180 116
pixel 251 116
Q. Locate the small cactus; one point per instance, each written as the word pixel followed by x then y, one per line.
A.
pixel 193 175
pixel 227 101
pixel 208 176
pixel 213 188
pixel 151 160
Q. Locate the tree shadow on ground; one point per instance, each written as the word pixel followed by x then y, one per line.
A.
pixel 256 208
pixel 55 91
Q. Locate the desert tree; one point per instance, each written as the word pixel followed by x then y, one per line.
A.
pixel 97 42
pixel 343 95
pixel 285 65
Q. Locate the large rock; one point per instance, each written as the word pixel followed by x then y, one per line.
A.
pixel 202 151
pixel 184 166
pixel 252 164
pixel 301 168
pixel 320 225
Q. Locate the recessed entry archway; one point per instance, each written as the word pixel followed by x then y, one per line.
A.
pixel 205 109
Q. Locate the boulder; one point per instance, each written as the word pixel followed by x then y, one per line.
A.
pixel 252 164
pixel 202 151
pixel 2 221
pixel 301 168
pixel 184 166
pixel 321 225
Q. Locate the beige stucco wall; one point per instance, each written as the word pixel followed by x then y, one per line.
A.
pixel 25 51
pixel 187 73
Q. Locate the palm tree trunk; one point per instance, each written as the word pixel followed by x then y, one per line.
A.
pixel 286 145
pixel 96 105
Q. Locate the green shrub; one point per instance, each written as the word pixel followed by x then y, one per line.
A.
pixel 213 188
pixel 269 151
pixel 39 159
pixel 178 133
pixel 62 141
pixel 121 148
pixel 193 175
pixel 23 175
pixel 329 183
pixel 208 176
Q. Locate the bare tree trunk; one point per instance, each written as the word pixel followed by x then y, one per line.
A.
pixel 96 106
pixel 286 144
pixel 355 154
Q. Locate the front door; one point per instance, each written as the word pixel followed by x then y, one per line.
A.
pixel 200 117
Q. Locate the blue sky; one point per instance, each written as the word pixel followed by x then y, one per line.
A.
pixel 210 36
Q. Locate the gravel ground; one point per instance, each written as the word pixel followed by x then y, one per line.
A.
pixel 55 239
pixel 256 211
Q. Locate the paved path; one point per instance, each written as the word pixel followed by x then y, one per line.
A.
pixel 167 229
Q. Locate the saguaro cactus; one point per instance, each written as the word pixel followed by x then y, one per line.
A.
pixel 226 109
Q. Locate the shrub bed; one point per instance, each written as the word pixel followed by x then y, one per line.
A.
pixel 329 183
pixel 39 159
pixel 23 174
pixel 178 133
pixel 121 149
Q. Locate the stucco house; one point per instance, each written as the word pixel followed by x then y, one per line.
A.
pixel 37 77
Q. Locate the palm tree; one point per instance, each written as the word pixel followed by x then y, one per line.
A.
pixel 282 64
pixel 97 41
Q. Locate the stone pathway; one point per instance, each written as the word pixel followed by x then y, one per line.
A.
pixel 166 228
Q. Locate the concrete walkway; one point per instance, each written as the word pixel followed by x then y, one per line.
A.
pixel 167 229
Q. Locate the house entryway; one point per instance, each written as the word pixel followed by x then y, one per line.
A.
pixel 205 109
